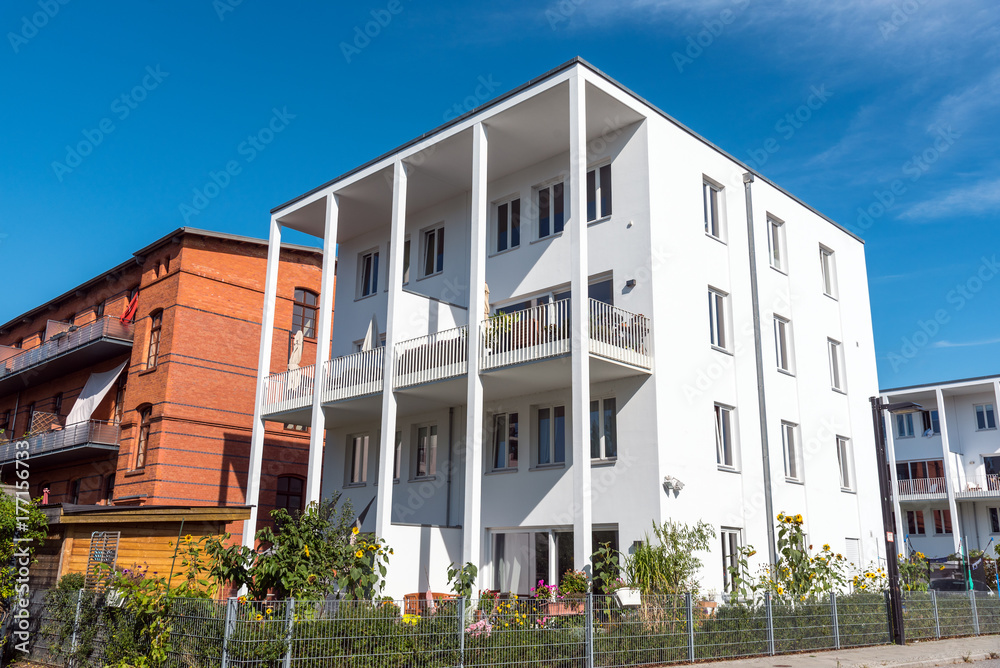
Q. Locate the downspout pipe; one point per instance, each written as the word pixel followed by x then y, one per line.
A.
pixel 758 350
pixel 451 440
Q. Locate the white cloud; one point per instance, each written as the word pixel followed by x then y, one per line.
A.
pixel 974 199
pixel 964 344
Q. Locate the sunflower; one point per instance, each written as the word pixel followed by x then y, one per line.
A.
pixel 359 554
pixel 355 531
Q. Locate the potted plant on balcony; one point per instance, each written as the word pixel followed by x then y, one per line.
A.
pixel 572 594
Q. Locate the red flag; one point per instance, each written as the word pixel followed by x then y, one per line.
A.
pixel 129 313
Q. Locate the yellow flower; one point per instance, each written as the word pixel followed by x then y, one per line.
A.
pixel 268 612
pixel 359 554
pixel 259 617
pixel 242 599
pixel 355 531
pixel 798 519
pixel 307 550
pixel 781 517
pixel 188 538
pixel 826 546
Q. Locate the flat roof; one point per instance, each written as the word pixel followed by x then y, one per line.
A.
pixel 548 75
pixel 945 383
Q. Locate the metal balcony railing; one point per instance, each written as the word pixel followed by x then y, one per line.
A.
pixel 353 375
pixel 619 335
pixel 528 335
pixel 983 486
pixel 96 432
pixel 922 487
pixel 63 342
pixel 433 357
pixel 289 390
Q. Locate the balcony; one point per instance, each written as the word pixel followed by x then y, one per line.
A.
pixel 922 489
pixel 67 351
pixel 619 345
pixel 980 487
pixel 75 441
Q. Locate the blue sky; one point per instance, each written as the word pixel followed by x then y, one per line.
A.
pixel 164 94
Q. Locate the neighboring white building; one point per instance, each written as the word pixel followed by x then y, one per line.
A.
pixel 629 361
pixel 946 466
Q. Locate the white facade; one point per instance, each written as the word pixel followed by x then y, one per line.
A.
pixel 636 341
pixel 945 466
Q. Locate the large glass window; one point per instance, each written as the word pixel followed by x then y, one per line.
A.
pixel 730 556
pixel 304 311
pixel 358 474
pixel 603 429
pixel 551 435
pixel 551 210
pixel 942 522
pixel 985 417
pixel 426 455
pixel 433 251
pixel 508 225
pixel 368 273
pixel 153 350
pixel 598 193
pixel 505 441
pixel 142 443
pixel 289 493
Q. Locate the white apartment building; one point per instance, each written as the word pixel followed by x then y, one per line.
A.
pixel 945 466
pixel 646 366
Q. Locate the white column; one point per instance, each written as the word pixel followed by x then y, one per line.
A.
pixel 324 328
pixel 576 228
pixel 383 506
pixel 472 529
pixel 890 439
pixel 263 370
pixel 951 479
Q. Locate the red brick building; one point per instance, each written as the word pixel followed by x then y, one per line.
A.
pixel 173 427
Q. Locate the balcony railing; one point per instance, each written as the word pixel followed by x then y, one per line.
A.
pixel 985 486
pixel 922 487
pixel 95 432
pixel 63 342
pixel 524 336
pixel 505 340
pixel 433 357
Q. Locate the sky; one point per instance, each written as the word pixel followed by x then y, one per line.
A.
pixel 881 114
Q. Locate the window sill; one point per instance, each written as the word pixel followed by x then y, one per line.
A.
pixel 426 276
pixel 501 471
pixel 848 490
pixel 147 371
pixel 786 372
pixel 722 350
pixel 556 466
pixel 781 271
pixel 987 429
pixel 548 238
pixel 833 297
pixel 607 461
pixel 794 481
pixel 134 472
pixel 598 221
pixel 728 469
pixel 719 239
pixel 422 478
pixel 504 251
pixel 363 297
pixel 839 391
pixel 900 438
pixel 395 481
pixel 355 485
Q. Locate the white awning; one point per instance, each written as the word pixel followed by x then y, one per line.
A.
pixel 93 392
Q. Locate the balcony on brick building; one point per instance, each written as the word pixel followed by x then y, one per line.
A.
pixel 68 347
pixel 59 444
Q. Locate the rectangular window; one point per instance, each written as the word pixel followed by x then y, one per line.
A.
pixel 152 354
pixel 718 319
pixel 359 460
pixel 915 522
pixel 790 446
pixel 994 520
pixel 724 449
pixel 846 463
pixel 368 273
pixel 505 440
pixel 932 422
pixel 406 261
pixel 942 522
pixel 836 364
pixel 852 551
pixel 985 417
pixel 730 556
pixel 827 268
pixel 508 225
pixel 552 435
pixel 433 251
pixel 551 210
pixel 711 195
pixel 603 429
pixel 598 193
pixel 904 425
pixel 426 459
pixel 783 342
pixel 776 243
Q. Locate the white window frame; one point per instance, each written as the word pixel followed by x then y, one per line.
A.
pixel 732 543
pixel 599 177
pixel 431 238
pixel 951 520
pixel 919 522
pixel 845 462
pixel 718 319
pixel 357 459
pixel 988 413
pixel 432 434
pixel 776 247
pixel 370 287
pixel 508 465
pixel 828 271
pixel 495 230
pixel 783 344
pixel 713 208
pixel 791 448
pixel 536 414
pixel 904 425
pixel 838 381
pixel 602 427
pixel 725 415
pixel 537 209
pixel 993 515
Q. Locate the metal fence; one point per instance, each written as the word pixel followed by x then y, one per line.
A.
pixel 589 632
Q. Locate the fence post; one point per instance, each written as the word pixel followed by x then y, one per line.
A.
pixel 461 631
pixel 589 635
pixel 937 620
pixel 770 623
pixel 689 610
pixel 975 611
pixel 290 619
pixel 76 624
pixel 227 631
pixel 833 617
pixel 888 615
